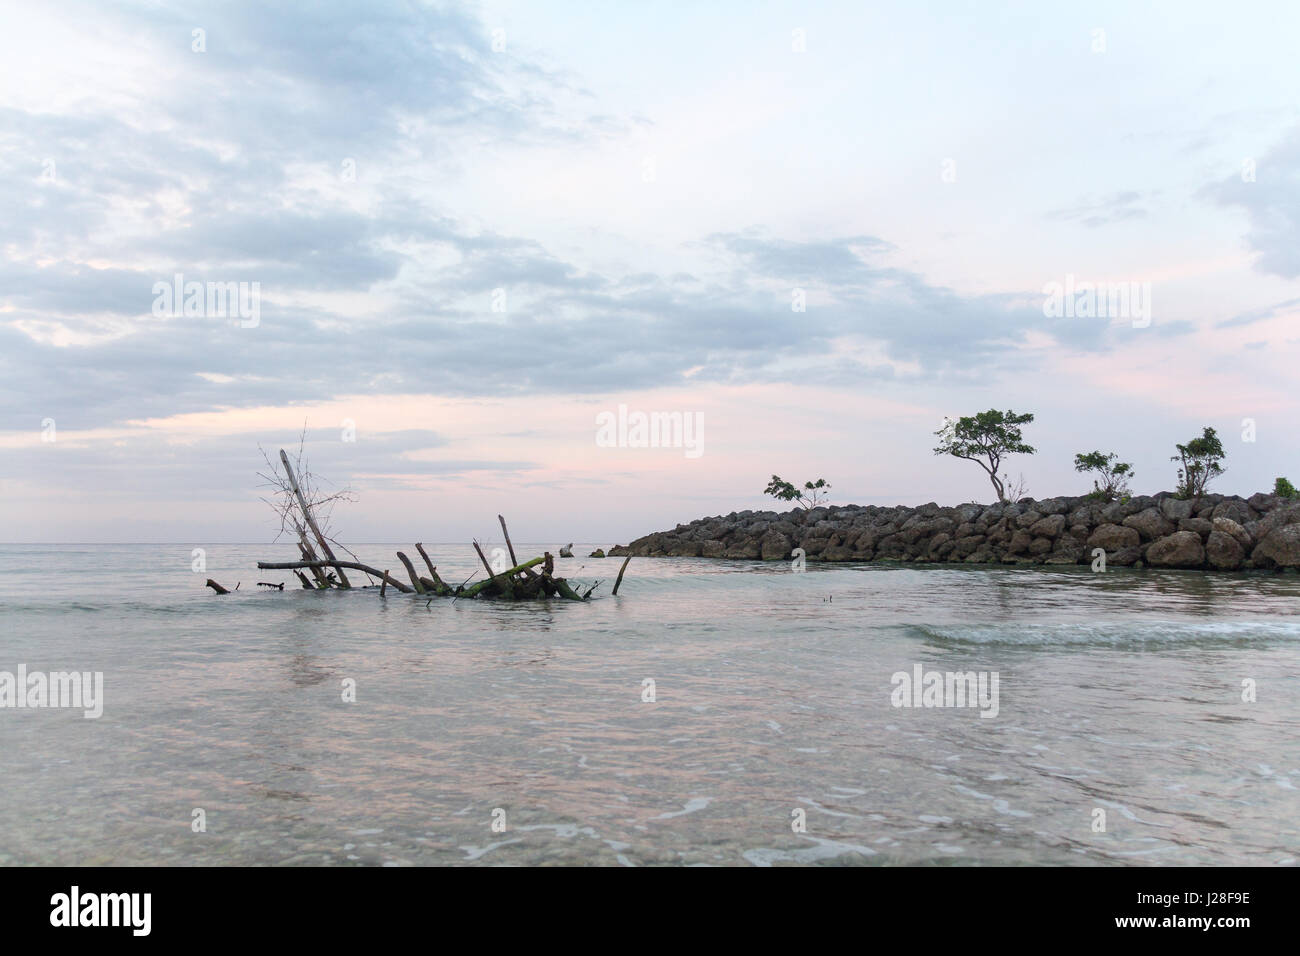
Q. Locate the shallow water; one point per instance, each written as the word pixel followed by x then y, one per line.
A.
pixel 1119 692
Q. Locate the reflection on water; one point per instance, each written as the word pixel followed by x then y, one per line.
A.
pixel 1119 692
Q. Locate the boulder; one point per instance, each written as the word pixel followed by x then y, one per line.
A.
pixel 1071 554
pixel 1049 527
pixel 1040 546
pixel 1224 552
pixel 712 548
pixel 1229 527
pixel 1150 524
pixel 775 546
pixel 1200 525
pixel 1125 557
pixel 1029 518
pixel 1182 549
pixel 1114 537
pixel 1020 542
pixel 1235 509
pixel 1175 509
pixel 838 552
pixel 1280 549
pixel 1261 501
pixel 743 548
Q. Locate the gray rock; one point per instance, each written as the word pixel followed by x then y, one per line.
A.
pixel 1262 502
pixel 1029 518
pixel 775 546
pixel 1224 552
pixel 1150 524
pixel 1234 508
pixel 1049 527
pixel 1237 532
pixel 1280 549
pixel 1182 549
pixel 1125 557
pixel 1114 537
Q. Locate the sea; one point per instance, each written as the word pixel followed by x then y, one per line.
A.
pixel 715 713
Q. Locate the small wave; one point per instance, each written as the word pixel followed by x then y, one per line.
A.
pixel 1113 633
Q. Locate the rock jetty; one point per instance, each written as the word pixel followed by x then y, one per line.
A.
pixel 1213 532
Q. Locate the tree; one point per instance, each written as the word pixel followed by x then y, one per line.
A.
pixel 986 439
pixel 809 498
pixel 1113 476
pixel 1200 459
pixel 1284 489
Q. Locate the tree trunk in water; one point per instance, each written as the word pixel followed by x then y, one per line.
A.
pixel 307 516
pixel 410 569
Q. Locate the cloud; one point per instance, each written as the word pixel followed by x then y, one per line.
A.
pixel 1117 207
pixel 1251 316
pixel 225 166
pixel 1271 203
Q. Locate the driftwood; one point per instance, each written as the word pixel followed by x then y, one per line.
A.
pixel 217 587
pixel 268 584
pixel 354 565
pixel 510 547
pixel 517 583
pixel 410 569
pixel 305 512
pixel 307 515
pixel 620 574
pixel 506 585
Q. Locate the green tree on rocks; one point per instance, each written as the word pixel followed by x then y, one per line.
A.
pixel 810 497
pixel 1199 460
pixel 1113 476
pixel 986 439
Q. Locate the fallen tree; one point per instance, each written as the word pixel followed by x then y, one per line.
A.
pixel 304 516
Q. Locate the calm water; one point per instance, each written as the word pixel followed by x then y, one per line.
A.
pixel 1118 692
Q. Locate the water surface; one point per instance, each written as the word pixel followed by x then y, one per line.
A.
pixel 1119 692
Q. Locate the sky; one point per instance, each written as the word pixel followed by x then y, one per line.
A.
pixel 467 234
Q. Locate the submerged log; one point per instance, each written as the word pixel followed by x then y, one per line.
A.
pixel 217 587
pixel 619 580
pixel 501 580
pixel 484 585
pixel 354 565
pixel 305 549
pixel 410 569
pixel 562 586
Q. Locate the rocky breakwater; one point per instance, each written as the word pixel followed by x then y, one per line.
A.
pixel 1214 532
